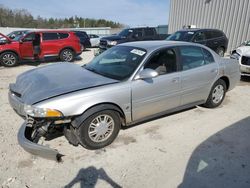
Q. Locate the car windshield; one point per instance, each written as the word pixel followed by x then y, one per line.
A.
pixel 125 33
pixel 117 63
pixel 181 36
pixel 16 35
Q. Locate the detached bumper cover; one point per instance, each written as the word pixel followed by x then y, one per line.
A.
pixel 24 141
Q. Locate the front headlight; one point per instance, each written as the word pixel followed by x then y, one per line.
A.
pixel 112 43
pixel 41 112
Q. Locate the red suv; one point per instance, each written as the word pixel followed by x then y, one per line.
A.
pixel 37 45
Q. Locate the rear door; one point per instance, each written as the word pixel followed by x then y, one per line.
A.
pixel 26 46
pixel 212 39
pixel 200 38
pixel 50 45
pixel 199 71
pixel 159 94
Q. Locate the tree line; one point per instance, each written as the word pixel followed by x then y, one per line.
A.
pixel 23 18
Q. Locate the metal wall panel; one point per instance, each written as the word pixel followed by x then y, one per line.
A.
pixel 230 16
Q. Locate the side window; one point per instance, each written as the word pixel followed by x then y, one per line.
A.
pixel 63 35
pixel 29 38
pixel 200 36
pixel 163 61
pixel 208 56
pixel 217 34
pixel 191 57
pixel 208 34
pixel 138 32
pixel 149 32
pixel 50 36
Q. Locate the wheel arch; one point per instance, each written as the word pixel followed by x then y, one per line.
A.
pixel 97 108
pixel 226 80
pixel 13 51
pixel 67 47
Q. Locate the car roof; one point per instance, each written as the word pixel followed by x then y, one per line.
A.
pixel 48 30
pixel 153 45
pixel 199 29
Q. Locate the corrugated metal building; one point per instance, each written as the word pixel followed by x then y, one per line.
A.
pixel 230 16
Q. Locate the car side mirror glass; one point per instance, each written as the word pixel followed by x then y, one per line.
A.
pixel 146 74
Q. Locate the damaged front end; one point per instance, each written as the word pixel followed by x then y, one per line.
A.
pixel 30 133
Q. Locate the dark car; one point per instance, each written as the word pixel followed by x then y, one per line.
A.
pixel 130 35
pixel 84 38
pixel 212 38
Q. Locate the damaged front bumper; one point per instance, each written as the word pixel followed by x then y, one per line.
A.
pixel 25 141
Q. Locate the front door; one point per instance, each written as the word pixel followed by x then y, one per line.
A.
pixel 26 46
pixel 159 94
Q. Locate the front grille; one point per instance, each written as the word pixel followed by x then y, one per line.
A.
pixel 245 60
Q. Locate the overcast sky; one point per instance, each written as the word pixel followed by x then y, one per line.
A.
pixel 129 12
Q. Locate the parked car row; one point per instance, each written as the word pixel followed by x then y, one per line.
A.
pixel 130 35
pixel 213 38
pixel 36 45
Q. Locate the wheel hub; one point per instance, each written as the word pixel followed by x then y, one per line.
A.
pixel 101 128
pixel 9 59
pixel 218 94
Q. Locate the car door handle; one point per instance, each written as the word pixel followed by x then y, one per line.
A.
pixel 176 80
pixel 214 70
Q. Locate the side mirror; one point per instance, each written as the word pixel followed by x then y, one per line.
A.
pixel 146 74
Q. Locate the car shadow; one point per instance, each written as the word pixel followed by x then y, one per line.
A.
pixel 223 160
pixel 88 177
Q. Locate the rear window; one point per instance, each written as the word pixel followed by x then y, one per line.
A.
pixel 210 34
pixel 63 35
pixel 50 36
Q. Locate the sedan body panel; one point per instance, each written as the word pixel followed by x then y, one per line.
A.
pixel 155 95
pixel 196 83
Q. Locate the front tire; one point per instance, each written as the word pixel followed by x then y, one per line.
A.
pixel 217 94
pixel 67 55
pixel 99 129
pixel 8 59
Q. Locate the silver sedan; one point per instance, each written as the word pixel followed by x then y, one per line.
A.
pixel 126 84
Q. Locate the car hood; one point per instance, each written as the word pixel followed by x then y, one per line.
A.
pixel 4 36
pixel 243 50
pixel 53 80
pixel 112 38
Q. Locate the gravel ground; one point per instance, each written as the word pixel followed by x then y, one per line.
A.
pixel 198 147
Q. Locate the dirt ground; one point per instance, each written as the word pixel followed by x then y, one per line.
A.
pixel 198 147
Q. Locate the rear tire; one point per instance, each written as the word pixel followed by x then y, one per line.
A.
pixel 67 55
pixel 217 94
pixel 9 59
pixel 99 129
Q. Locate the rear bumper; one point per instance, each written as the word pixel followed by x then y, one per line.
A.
pixel 24 141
